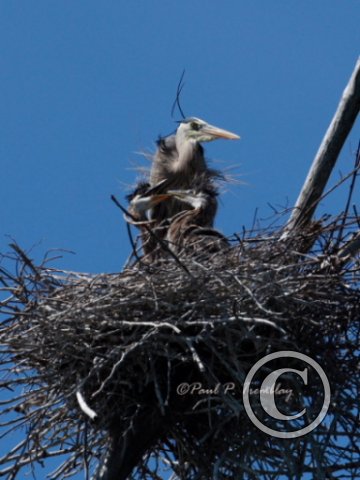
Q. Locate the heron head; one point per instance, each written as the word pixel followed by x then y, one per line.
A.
pixel 198 130
pixel 141 204
pixel 145 197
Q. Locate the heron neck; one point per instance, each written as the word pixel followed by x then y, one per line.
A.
pixel 188 217
pixel 186 149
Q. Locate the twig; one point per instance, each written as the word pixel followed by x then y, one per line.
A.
pixel 350 249
pixel 84 406
pixel 150 231
pixel 24 258
pixel 351 191
pixel 177 99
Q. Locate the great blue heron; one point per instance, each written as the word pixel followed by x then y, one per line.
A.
pixel 178 163
pixel 141 201
pixel 180 157
pixel 192 229
pixel 192 225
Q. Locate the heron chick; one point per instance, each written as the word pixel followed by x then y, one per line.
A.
pixel 193 228
pixel 180 157
pixel 142 200
pixel 181 154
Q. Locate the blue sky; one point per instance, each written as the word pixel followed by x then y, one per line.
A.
pixel 86 85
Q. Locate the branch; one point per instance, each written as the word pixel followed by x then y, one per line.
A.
pixel 327 154
pixel 351 191
pixel 350 249
pixel 151 233
pixel 127 449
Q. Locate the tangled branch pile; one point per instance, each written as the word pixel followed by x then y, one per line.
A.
pixel 91 363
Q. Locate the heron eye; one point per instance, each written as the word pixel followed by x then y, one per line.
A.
pixel 195 126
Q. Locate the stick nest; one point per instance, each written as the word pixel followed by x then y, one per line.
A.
pixel 159 353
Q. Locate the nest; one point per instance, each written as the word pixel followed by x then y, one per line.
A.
pixel 152 361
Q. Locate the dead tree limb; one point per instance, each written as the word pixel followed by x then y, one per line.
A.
pixel 126 450
pixel 327 154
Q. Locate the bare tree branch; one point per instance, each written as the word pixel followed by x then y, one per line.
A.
pixel 327 154
pixel 350 249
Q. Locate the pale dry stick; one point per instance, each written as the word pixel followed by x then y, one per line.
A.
pixel 84 406
pixel 327 155
pixel 157 388
pixel 252 296
pixel 149 324
pixel 345 255
pixel 124 354
pixel 30 458
pixel 195 355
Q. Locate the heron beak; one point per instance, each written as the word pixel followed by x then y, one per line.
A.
pixel 159 187
pixel 216 132
pixel 156 199
pixel 179 194
pixel 137 223
pixel 142 204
